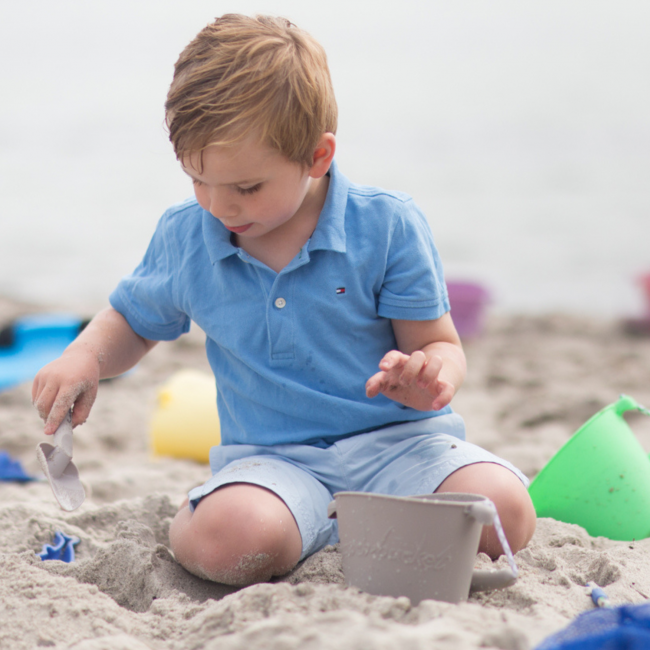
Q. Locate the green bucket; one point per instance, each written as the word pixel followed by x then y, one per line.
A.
pixel 600 478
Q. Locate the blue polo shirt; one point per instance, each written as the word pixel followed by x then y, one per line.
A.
pixel 292 351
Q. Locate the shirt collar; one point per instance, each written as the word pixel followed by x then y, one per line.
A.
pixel 328 235
pixel 330 230
pixel 217 239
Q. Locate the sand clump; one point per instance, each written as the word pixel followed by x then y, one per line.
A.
pixel 532 381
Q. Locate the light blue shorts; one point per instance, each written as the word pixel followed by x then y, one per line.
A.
pixel 401 460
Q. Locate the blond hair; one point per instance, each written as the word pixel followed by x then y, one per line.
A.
pixel 242 76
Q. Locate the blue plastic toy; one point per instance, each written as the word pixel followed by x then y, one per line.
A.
pixel 598 595
pixel 12 470
pixel 617 628
pixel 62 548
pixel 32 342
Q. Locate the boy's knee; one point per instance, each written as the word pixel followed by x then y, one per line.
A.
pixel 518 518
pixel 510 498
pixel 238 535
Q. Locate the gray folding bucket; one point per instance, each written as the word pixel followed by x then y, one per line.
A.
pixel 420 546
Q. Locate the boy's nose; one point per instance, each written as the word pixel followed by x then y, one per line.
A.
pixel 221 205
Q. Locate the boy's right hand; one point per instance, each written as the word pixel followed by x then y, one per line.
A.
pixel 69 381
pixel 107 347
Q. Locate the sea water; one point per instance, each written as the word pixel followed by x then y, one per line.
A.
pixel 521 129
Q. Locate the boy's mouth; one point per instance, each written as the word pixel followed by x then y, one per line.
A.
pixel 240 229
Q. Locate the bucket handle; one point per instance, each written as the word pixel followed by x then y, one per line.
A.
pixel 485 512
pixel 627 403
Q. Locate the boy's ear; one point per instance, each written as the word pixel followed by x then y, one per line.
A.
pixel 323 155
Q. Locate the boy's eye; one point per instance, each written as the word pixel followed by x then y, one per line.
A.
pixel 196 182
pixel 249 190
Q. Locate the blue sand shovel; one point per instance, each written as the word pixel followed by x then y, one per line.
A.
pixel 32 342
pixel 60 471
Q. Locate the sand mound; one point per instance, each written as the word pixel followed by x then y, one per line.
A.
pixel 532 382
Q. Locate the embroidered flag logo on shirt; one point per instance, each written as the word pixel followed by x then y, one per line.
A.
pixel 340 290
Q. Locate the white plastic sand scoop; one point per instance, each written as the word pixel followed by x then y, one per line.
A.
pixel 420 547
pixel 60 471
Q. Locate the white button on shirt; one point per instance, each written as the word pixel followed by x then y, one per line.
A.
pixel 280 303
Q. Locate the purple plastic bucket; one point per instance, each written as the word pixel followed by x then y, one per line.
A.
pixel 468 301
pixel 644 281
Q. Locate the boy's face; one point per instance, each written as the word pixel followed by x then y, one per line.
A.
pixel 251 188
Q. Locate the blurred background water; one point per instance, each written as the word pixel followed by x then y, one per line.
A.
pixel 521 128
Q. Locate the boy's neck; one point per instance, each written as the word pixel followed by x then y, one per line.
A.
pixel 278 247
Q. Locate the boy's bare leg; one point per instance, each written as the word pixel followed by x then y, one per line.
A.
pixel 508 494
pixel 240 534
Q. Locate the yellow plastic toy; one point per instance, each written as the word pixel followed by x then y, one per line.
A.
pixel 185 423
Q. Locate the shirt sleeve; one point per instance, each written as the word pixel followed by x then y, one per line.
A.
pixel 414 286
pixel 148 298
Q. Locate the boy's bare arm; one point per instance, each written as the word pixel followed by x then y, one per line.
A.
pixel 106 347
pixel 426 370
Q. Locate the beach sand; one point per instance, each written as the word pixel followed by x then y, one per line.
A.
pixel 532 382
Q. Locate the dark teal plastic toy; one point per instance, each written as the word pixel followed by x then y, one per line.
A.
pixel 12 470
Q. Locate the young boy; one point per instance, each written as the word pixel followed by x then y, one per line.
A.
pixel 303 283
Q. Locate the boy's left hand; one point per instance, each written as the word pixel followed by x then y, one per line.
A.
pixel 412 380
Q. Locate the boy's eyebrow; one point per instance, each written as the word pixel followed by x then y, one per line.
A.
pixel 242 182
